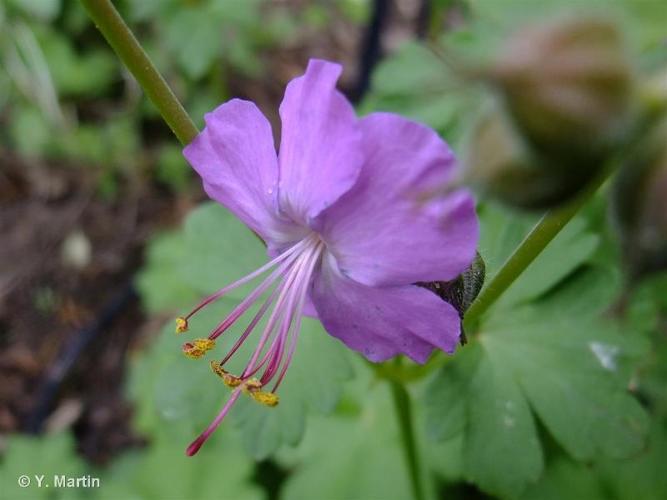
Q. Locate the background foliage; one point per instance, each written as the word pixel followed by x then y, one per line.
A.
pixel 557 396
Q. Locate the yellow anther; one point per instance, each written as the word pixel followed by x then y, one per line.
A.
pixel 192 351
pixel 197 348
pixel 218 369
pixel 251 385
pixel 204 344
pixel 265 398
pixel 181 325
pixel 228 379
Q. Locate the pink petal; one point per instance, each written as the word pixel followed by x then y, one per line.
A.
pixel 381 322
pixel 236 159
pixel 320 152
pixel 381 231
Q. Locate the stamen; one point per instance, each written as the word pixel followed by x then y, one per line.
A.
pixel 197 348
pixel 230 380
pixel 197 443
pixel 282 327
pixel 212 298
pixel 251 326
pixel 181 325
pixel 245 304
pixel 266 398
pixel 268 329
pixel 298 317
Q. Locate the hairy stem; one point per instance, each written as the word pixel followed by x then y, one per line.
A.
pixel 532 245
pixel 403 408
pixel 111 25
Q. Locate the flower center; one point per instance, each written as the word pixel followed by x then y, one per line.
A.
pixel 291 274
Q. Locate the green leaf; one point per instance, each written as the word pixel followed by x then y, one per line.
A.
pixel 313 384
pixel 572 247
pixel 573 372
pixel 566 479
pixel 161 282
pixel 89 73
pixel 220 250
pixel 172 168
pixel 193 35
pixel 643 476
pixel 443 102
pixel 353 457
pixel 500 426
pixel 503 230
pixel 40 456
pixel 163 470
pixel 42 9
pixel 29 131
pixel 555 358
pixel 446 409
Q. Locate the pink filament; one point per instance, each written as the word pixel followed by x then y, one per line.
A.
pixel 247 278
pixel 197 443
pixel 296 269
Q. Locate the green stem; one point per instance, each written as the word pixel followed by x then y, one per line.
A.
pixel 533 244
pixel 403 407
pixel 111 25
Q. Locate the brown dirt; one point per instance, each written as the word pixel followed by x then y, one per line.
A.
pixel 49 297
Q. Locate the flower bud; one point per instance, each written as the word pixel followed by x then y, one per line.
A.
pixel 501 164
pixel 639 205
pixel 568 85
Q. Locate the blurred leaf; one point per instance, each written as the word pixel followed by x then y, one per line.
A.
pixel 83 142
pixel 446 415
pixel 160 282
pixel 313 385
pixel 46 456
pixel 142 10
pixel 163 471
pixel 89 73
pixel 643 476
pixel 172 168
pixel 566 479
pixel 42 9
pixel 194 37
pixel 30 131
pixel 501 232
pixel 443 101
pixel 572 247
pixel 220 249
pixel 354 457
pixel 500 425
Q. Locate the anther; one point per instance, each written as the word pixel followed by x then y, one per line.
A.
pixel 265 398
pixel 251 385
pixel 229 380
pixel 181 325
pixel 197 348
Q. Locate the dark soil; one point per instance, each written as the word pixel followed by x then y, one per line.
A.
pixel 60 367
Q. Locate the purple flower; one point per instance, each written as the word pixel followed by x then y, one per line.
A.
pixel 338 209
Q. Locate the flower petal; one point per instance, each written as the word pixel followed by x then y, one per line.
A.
pixel 236 159
pixel 381 322
pixel 320 147
pixel 380 231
